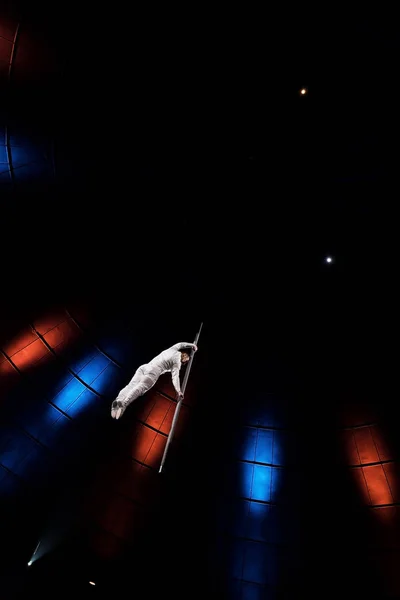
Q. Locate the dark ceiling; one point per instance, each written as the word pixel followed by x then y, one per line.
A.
pixel 182 149
pixel 187 166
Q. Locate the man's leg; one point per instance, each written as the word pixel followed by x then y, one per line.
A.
pixel 121 403
pixel 120 400
pixel 138 386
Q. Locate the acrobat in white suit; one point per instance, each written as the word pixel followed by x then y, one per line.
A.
pixel 169 360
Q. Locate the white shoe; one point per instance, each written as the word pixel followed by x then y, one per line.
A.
pixel 118 408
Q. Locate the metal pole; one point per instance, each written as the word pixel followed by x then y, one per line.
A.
pixel 179 405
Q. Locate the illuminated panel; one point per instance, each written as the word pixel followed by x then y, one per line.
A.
pixel 61 336
pixel 254 560
pixel 367 452
pixel 164 385
pixel 58 378
pixel 132 473
pixel 26 350
pixel 259 530
pixel 376 476
pixel 49 320
pixel 20 342
pixel 157 411
pixel 28 357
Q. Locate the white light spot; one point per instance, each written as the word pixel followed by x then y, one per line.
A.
pixel 329 259
pixel 92 583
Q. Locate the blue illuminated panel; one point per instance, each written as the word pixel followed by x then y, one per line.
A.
pixel 254 521
pixel 45 415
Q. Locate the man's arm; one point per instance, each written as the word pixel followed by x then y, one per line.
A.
pixel 181 345
pixel 175 377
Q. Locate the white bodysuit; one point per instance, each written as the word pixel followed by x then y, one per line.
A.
pixel 147 375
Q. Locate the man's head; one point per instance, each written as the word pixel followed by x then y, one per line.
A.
pixel 184 357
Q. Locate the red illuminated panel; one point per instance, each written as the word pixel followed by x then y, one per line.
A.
pixel 378 486
pixel 30 355
pixel 47 322
pixel 62 336
pixel 158 412
pixel 164 385
pixel 143 406
pixel 167 423
pixel 160 409
pixel 383 449
pixel 142 443
pixel 182 423
pixel 361 482
pixel 392 475
pixel 153 459
pixel 19 342
pixel 378 483
pixel 27 350
pixel 366 445
pixel 148 446
pixel 349 447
